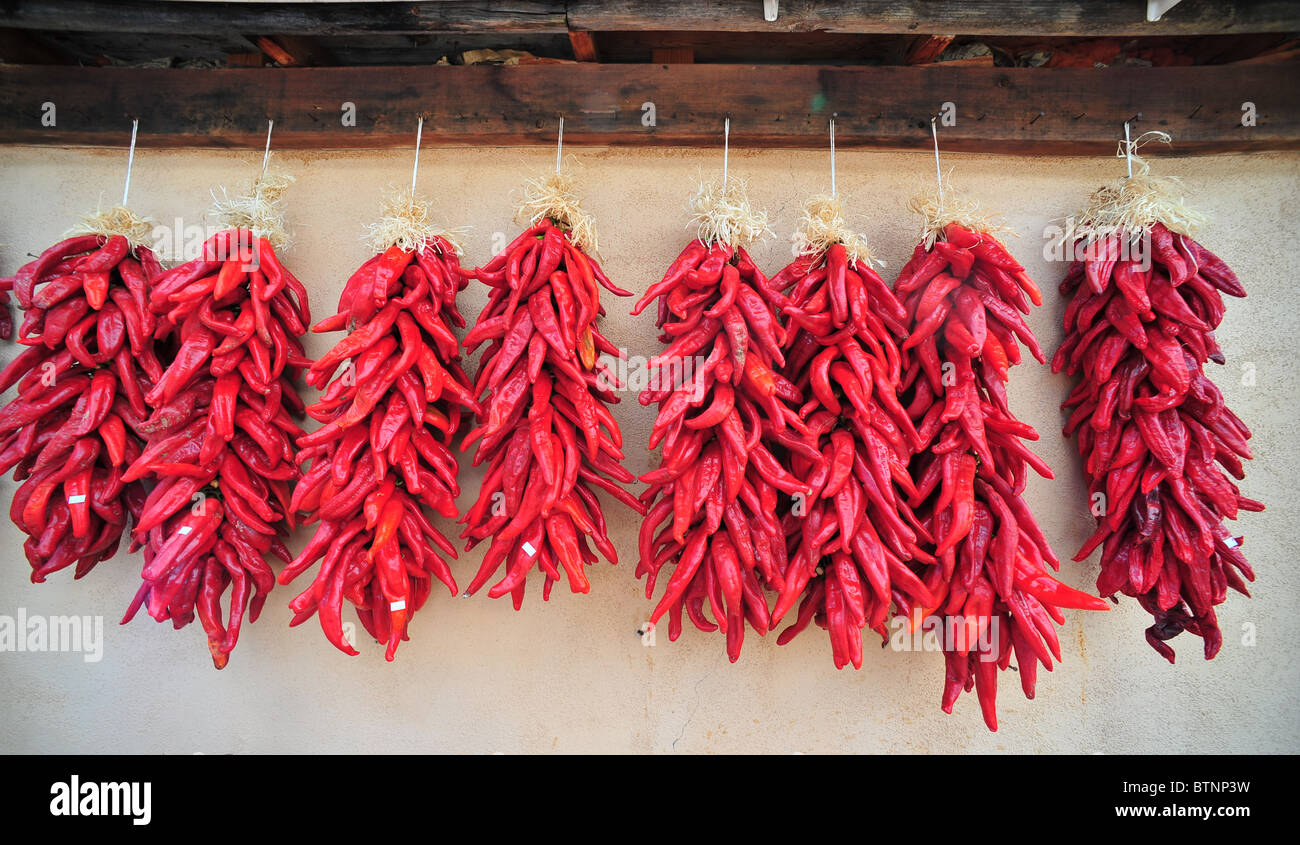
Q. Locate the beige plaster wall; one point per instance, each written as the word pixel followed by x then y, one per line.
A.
pixel 570 675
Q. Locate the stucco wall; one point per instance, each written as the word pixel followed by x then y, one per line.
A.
pixel 570 675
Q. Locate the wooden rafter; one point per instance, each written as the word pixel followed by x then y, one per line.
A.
pixel 935 17
pixel 1048 111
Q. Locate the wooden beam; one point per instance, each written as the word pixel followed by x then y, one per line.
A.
pixel 584 46
pixel 200 18
pixel 937 17
pixel 930 17
pixel 1049 111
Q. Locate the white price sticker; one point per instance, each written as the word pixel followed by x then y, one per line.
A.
pixel 400 604
pixel 76 500
pixel 528 549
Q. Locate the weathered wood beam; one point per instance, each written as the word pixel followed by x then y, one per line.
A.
pixel 910 17
pixel 937 17
pixel 1040 110
pixel 159 16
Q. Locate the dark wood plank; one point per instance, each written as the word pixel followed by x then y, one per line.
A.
pixel 942 17
pixel 1038 110
pixel 911 17
pixel 161 17
pixel 247 59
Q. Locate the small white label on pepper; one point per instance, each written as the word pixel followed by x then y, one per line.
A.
pixel 185 529
pixel 528 549
pixel 1231 542
pixel 76 500
pixel 400 604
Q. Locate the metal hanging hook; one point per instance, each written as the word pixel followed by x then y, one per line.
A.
pixel 726 148
pixel 266 155
pixel 938 171
pixel 833 116
pixel 559 147
pixel 1128 150
pixel 130 162
pixel 415 169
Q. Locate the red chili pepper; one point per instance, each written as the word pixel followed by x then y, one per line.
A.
pixel 719 539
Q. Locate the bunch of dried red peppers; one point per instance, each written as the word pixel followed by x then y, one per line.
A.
pixel 845 446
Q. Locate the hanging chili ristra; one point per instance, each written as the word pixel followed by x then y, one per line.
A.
pixel 851 539
pixel 545 435
pixel 382 455
pixel 221 435
pixel 725 414
pixel 964 295
pixel 1158 443
pixel 78 419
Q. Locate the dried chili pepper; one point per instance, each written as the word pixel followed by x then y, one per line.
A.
pixel 382 455
pixel 964 299
pixel 544 431
pixel 220 437
pixel 725 413
pixel 75 424
pixel 1158 443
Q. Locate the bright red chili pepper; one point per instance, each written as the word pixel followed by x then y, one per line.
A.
pixel 856 526
pixel 715 384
